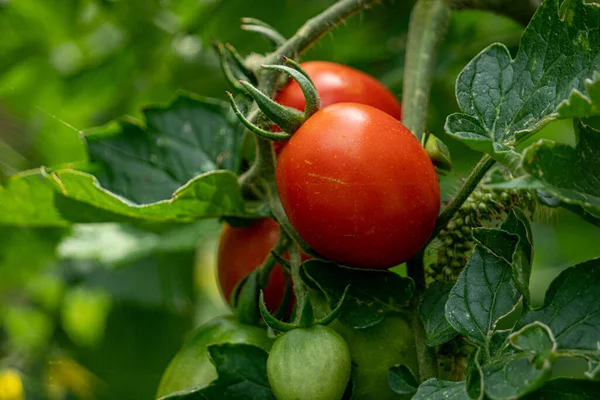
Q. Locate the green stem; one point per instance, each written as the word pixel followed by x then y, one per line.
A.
pixel 482 167
pixel 428 367
pixel 282 245
pixel 428 23
pixel 519 10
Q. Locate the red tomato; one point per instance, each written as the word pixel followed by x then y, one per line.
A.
pixel 242 250
pixel 358 187
pixel 338 83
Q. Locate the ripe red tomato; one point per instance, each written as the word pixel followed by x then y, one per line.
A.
pixel 358 187
pixel 337 83
pixel 242 250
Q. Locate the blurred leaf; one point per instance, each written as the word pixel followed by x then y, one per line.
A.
pixel 84 314
pixel 566 389
pixel 432 314
pixel 28 329
pixel 26 199
pixel 504 100
pixel 189 137
pixel 372 294
pixel 483 294
pixel 242 370
pixel 569 174
pixel 436 389
pixel 572 310
pixel 117 244
pixel 402 380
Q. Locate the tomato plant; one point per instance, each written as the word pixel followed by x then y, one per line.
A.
pixel 358 187
pixel 191 366
pixel 309 363
pixel 451 186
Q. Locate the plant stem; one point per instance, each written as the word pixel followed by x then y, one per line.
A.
pixel 428 23
pixel 485 163
pixel 519 10
pixel 428 367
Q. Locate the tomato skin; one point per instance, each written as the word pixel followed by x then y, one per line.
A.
pixel 309 363
pixel 191 366
pixel 358 187
pixel 337 83
pixel 241 251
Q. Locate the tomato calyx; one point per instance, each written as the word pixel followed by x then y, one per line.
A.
pixel 288 119
pixel 305 317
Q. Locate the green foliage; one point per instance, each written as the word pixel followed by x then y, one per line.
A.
pixel 371 296
pixel 504 100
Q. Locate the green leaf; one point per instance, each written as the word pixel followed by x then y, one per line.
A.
pixel 514 377
pixel 505 100
pixel 569 174
pixel 581 106
pixel 517 223
pixel 499 242
pixel 566 389
pixel 436 389
pixel 402 380
pixel 474 383
pixel 189 137
pixel 484 292
pixel 372 294
pixel 26 199
pixel 571 309
pixel 432 314
pixel 242 370
pixel 498 344
pixel 214 194
pixel 535 337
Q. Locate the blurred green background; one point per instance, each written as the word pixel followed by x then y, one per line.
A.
pixel 97 311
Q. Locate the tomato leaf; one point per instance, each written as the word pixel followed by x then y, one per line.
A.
pixel 571 310
pixel 402 380
pixel 581 106
pixel 569 174
pixel 372 294
pixel 26 199
pixel 146 164
pixel 484 292
pixel 504 100
pixel 522 258
pixel 211 195
pixel 437 389
pixel 514 377
pixel 567 389
pixel 242 370
pixel 523 371
pixel 432 314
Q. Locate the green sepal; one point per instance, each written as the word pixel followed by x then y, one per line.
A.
pixel 438 153
pixel 284 306
pixel 313 101
pixel 230 76
pixel 246 310
pixel 258 26
pixel 277 136
pixel 270 320
pixel 287 118
pixel 326 320
pixel 282 261
pixel 241 63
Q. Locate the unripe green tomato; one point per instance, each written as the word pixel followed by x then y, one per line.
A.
pixel 191 366
pixel 309 364
pixel 374 350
